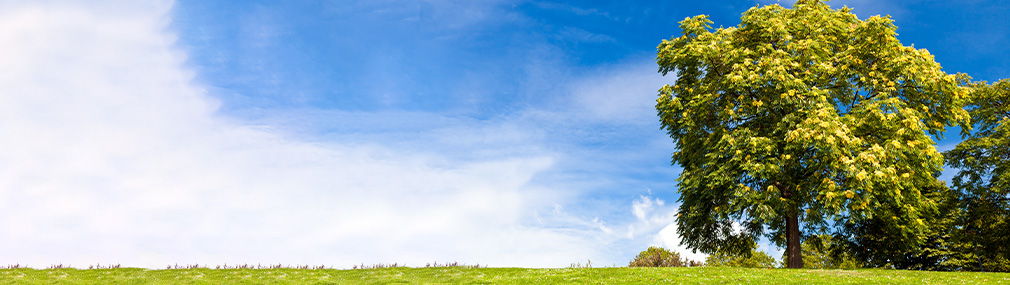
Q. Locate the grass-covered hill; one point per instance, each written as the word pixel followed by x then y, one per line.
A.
pixel 463 275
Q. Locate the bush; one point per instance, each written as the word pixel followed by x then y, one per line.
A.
pixel 660 257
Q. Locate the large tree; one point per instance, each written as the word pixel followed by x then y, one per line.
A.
pixel 804 115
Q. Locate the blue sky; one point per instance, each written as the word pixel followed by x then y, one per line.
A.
pixel 506 133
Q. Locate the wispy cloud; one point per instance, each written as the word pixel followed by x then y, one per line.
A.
pixel 656 220
pixel 572 9
pixel 621 93
pixel 113 153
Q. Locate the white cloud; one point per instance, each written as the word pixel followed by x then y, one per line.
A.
pixel 622 93
pixel 669 239
pixel 644 206
pixel 111 154
pixel 653 214
pixel 580 35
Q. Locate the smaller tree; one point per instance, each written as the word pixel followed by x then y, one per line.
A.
pixel 754 258
pixel 982 183
pixel 660 257
pixel 871 242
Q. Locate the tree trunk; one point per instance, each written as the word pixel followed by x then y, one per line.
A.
pixel 794 253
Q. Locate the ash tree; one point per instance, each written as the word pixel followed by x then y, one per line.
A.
pixel 808 116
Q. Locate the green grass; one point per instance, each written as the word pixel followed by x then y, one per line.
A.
pixel 459 275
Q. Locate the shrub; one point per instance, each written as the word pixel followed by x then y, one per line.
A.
pixel 660 257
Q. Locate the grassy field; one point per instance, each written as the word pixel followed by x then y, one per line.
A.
pixel 459 275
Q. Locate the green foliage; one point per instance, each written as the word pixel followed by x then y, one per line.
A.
pixel 657 257
pixel 869 241
pixel 805 111
pixel 754 258
pixel 982 184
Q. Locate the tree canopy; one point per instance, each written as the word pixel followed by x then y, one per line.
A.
pixel 803 115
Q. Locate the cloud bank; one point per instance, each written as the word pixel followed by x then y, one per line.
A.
pixel 112 154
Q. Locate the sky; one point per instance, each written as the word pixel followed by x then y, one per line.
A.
pixel 500 133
